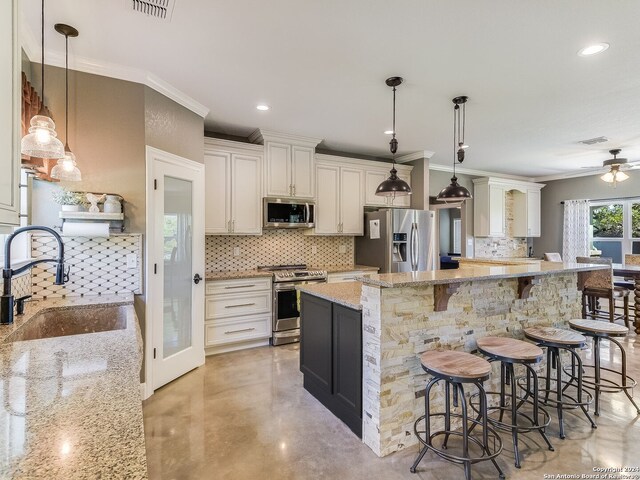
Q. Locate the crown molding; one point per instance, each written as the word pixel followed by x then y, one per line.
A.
pixel 568 175
pixel 260 135
pixel 213 143
pixel 479 173
pixel 415 156
pixel 55 58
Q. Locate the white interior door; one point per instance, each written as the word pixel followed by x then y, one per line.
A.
pixel 176 259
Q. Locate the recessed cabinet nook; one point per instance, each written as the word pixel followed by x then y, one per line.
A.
pixel 490 210
pixel 239 175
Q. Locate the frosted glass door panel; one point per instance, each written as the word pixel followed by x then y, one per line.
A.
pixel 178 264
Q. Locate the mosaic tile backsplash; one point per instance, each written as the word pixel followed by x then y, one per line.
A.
pixel 98 266
pixel 21 285
pixel 275 247
pixel 504 247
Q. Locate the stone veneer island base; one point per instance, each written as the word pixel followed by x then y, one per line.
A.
pixel 406 314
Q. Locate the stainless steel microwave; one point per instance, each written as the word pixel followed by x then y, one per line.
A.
pixel 288 213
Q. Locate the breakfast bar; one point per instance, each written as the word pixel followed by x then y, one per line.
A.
pixel 406 314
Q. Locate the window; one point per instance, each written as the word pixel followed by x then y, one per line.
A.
pixel 616 227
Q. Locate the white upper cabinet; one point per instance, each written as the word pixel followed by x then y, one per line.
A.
pixel 10 94
pixel 490 209
pixel 374 176
pixel 278 169
pixel 526 212
pixel 302 172
pixel 289 164
pixel 233 179
pixel 340 200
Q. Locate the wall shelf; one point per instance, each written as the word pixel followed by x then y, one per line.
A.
pixel 91 216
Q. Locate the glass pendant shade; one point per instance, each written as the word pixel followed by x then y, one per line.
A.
pixel 393 186
pixel 42 141
pixel 66 169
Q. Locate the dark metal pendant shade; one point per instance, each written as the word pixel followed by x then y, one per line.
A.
pixel 393 186
pixel 454 192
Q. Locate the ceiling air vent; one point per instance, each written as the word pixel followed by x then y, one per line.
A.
pixel 161 9
pixel 593 141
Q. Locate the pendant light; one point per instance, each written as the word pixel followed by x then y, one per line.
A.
pixel 41 140
pixel 393 186
pixel 66 169
pixel 456 192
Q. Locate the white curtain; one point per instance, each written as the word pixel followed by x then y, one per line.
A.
pixel 575 233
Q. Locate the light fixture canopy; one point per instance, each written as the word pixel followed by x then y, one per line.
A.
pixel 393 186
pixel 67 168
pixel 454 191
pixel 41 141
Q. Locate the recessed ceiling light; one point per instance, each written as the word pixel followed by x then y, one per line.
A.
pixel 593 49
pixel 388 132
pixel 262 107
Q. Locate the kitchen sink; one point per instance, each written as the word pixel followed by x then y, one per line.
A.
pixel 77 321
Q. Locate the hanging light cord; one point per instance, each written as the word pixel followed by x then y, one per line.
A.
pixel 42 66
pixel 456 127
pixel 66 91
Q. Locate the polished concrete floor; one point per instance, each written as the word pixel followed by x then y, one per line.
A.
pixel 245 415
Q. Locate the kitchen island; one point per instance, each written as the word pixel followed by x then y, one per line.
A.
pixel 406 314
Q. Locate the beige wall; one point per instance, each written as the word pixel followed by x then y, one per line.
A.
pixel 172 128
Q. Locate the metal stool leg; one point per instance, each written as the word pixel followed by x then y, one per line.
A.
pixel 531 372
pixel 447 416
pixel 580 386
pixel 555 357
pixel 514 414
pixel 482 394
pixel 465 431
pixel 427 424
pixel 596 364
pixel 624 373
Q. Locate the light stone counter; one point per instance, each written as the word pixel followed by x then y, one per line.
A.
pixel 346 268
pixel 476 272
pixel 344 293
pixel 497 260
pixel 238 274
pixel 402 318
pixel 71 405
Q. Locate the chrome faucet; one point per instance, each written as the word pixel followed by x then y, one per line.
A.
pixel 6 300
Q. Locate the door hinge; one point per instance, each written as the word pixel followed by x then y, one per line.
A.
pixel 155 268
pixel 154 353
pixel 155 184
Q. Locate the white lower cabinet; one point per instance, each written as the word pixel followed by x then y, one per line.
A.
pixel 237 314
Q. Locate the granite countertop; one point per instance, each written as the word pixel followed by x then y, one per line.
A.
pixel 72 406
pixel 258 273
pixel 237 274
pixel 499 261
pixel 468 273
pixel 343 293
pixel 347 268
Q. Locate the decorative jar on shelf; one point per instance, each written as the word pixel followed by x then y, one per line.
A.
pixel 112 204
pixel 70 208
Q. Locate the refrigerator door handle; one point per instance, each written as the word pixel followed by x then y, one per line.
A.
pixel 414 246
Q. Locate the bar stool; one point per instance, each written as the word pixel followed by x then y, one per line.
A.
pixel 509 352
pixel 556 340
pixel 456 369
pixel 605 331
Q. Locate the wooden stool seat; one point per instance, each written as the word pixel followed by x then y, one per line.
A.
pixel 510 349
pixel 598 327
pixel 554 335
pixel 451 363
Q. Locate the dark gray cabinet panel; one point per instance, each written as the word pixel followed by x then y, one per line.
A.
pixel 331 357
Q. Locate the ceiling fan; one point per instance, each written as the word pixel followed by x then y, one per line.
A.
pixel 615 167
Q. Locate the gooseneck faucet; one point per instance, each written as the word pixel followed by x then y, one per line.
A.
pixel 6 300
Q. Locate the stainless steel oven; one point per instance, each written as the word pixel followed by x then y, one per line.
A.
pixel 286 300
pixel 288 213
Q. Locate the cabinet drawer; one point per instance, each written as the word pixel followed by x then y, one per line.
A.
pixel 217 333
pixel 237 304
pixel 238 285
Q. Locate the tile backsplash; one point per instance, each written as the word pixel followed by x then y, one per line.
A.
pixel 275 247
pixel 507 246
pixel 21 285
pixel 98 265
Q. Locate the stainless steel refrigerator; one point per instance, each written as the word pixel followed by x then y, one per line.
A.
pixel 398 240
